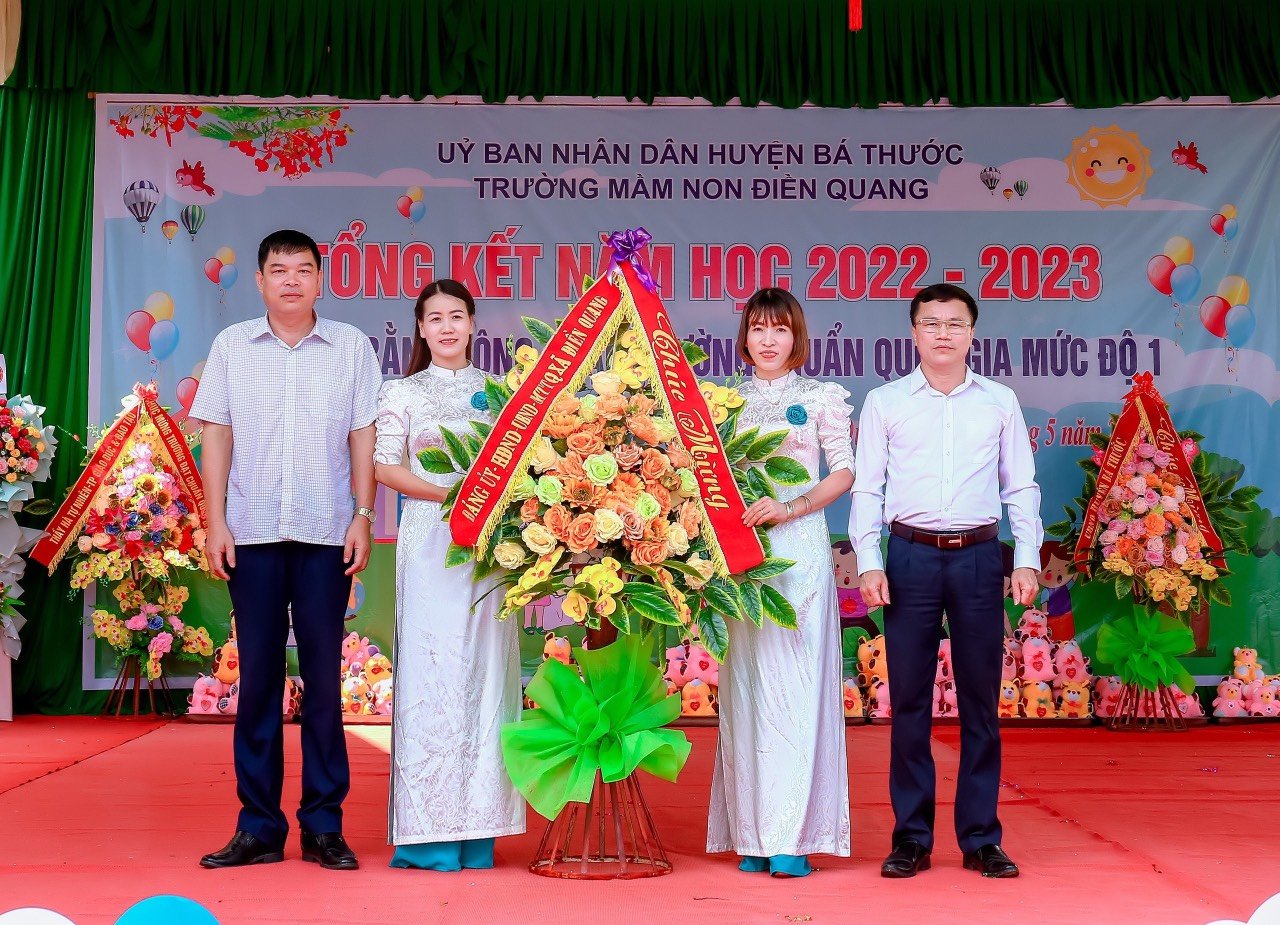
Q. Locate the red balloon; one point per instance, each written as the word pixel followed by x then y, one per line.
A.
pixel 212 267
pixel 1213 315
pixel 187 392
pixel 1217 223
pixel 137 327
pixel 1158 269
pixel 403 205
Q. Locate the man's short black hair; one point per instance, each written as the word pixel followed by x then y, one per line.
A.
pixel 286 241
pixel 944 292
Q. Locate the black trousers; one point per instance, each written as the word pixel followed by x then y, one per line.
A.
pixel 969 585
pixel 267 579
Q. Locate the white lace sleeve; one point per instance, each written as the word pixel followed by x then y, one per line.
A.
pixel 393 425
pixel 834 416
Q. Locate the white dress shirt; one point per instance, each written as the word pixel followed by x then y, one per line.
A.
pixel 291 411
pixel 943 462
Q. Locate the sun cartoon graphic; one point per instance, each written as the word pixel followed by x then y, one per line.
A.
pixel 1108 166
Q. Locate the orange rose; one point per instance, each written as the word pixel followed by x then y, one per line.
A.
pixel 661 495
pixel 1155 524
pixel 614 434
pixel 1175 519
pixel 582 533
pixel 586 443
pixel 627 486
pixel 559 426
pixel 557 520
pixel 649 552
pixel 628 455
pixel 642 404
pixel 679 457
pixel 1111 508
pixel 655 465
pixel 655 531
pixel 566 403
pixel 690 518
pixel 643 427
pixel 1135 556
pixel 611 407
pixel 571 467
pixel 1173 479
pixel 582 493
pixel 1153 480
pixel 529 511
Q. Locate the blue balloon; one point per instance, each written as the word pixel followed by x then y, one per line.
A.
pixel 227 276
pixel 167 910
pixel 1240 324
pixel 417 211
pixel 1230 229
pixel 164 339
pixel 1184 281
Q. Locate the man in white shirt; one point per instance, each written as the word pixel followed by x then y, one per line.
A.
pixel 938 453
pixel 288 401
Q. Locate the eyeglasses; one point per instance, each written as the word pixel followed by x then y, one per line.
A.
pixel 933 327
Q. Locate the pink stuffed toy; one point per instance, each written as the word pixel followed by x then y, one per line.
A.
pixel 677 671
pixel 1037 659
pixel 1107 696
pixel 944 672
pixel 1012 665
pixel 1033 624
pixel 1188 704
pixel 1230 699
pixel 1070 664
pixel 1263 702
pixel 205 694
pixel 230 701
pixel 880 705
pixel 944 699
pixel 702 666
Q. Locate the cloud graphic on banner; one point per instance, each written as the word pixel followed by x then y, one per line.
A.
pixel 229 171
pixel 963 189
pixel 1266 914
pixel 1255 372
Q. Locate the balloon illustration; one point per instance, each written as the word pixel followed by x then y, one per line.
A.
pixel 227 276
pixel 212 267
pixel 137 327
pixel 1240 325
pixel 1179 250
pixel 187 392
pixel 1235 289
pixel 1228 211
pixel 169 229
pixel 1008 194
pixel 164 339
pixel 1218 223
pixel 990 177
pixel 1021 188
pixel 1159 268
pixel 1184 281
pixel 159 305
pixel 192 217
pixel 1230 228
pixel 221 271
pixel 225 254
pixel 141 198
pixel 1213 315
pixel 411 204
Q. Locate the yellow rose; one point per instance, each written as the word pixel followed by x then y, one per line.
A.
pixel 608 525
pixel 606 383
pixel 703 567
pixel 538 538
pixel 678 540
pixel 509 555
pixel 544 456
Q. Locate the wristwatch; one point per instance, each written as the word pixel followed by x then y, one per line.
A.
pixel 373 518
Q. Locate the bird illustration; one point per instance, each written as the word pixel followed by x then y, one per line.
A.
pixel 192 175
pixel 1188 157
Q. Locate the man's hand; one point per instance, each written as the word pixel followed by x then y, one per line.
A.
pixel 220 549
pixel 875 588
pixel 1023 584
pixel 359 542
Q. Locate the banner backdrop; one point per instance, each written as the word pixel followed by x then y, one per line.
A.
pixel 1099 244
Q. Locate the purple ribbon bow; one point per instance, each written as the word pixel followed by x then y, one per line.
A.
pixel 627 246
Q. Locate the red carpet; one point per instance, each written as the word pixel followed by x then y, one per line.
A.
pixel 1108 827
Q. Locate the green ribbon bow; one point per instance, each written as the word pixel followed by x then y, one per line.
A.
pixel 1143 649
pixel 608 721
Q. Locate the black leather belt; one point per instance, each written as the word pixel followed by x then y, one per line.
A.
pixel 957 539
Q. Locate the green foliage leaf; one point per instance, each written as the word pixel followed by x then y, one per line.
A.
pixel 769 568
pixel 655 608
pixel 777 608
pixel 715 635
pixel 457 555
pixel 693 353
pixel 625 619
pixel 752 603
pixel 457 449
pixel 538 329
pixel 737 448
pixel 759 485
pixel 436 461
pixel 497 394
pixel 482 428
pixel 723 596
pixel 785 471
pixel 38 508
pixel 1060 529
pixel 766 445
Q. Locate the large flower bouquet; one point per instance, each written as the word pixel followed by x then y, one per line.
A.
pixel 138 536
pixel 27 447
pixel 607 511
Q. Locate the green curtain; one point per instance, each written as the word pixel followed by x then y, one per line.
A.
pixel 46 204
pixel 1091 53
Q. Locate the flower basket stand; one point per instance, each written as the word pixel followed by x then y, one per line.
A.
pixel 130 675
pixel 1142 710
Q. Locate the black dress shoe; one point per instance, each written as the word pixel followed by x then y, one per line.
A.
pixel 905 860
pixel 991 861
pixel 241 850
pixel 329 850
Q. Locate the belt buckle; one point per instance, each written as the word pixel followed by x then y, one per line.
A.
pixel 956 540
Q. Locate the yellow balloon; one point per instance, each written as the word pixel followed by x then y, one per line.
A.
pixel 1228 211
pixel 414 193
pixel 226 255
pixel 197 371
pixel 1235 289
pixel 159 306
pixel 1179 250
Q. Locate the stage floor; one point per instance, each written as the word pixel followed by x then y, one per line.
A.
pixel 1167 828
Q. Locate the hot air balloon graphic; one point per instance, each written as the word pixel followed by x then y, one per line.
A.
pixel 1021 188
pixel 1008 193
pixel 192 217
pixel 169 229
pixel 990 177
pixel 141 198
